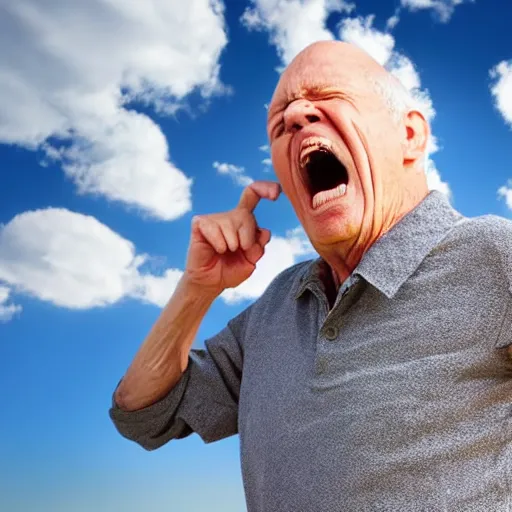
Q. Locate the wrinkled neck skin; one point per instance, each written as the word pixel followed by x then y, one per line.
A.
pixel 382 212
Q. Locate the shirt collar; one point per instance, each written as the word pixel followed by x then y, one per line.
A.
pixel 394 257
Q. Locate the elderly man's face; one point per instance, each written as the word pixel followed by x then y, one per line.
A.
pixel 336 148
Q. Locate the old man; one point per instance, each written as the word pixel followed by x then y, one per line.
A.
pixel 375 378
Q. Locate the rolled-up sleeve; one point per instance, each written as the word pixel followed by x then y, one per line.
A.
pixel 204 401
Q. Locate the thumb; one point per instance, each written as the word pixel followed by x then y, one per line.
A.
pixel 256 252
pixel 263 237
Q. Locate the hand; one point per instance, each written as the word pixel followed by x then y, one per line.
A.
pixel 225 247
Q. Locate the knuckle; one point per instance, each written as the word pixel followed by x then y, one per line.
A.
pixel 226 222
pixel 237 213
pixel 224 218
pixel 228 229
pixel 248 218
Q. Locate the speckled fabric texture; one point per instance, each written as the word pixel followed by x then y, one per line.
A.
pixel 398 399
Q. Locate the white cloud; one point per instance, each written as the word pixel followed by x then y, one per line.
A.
pixel 434 179
pixel 443 8
pixel 157 289
pixel 7 311
pixel 66 75
pixel 360 32
pixel 505 193
pixel 267 162
pixel 393 21
pixel 237 174
pixel 293 24
pixel 280 253
pixel 501 89
pixel 75 261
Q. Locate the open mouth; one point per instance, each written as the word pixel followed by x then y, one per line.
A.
pixel 326 176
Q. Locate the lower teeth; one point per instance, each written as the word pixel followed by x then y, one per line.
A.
pixel 328 195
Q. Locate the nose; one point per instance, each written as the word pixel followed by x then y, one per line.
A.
pixel 299 114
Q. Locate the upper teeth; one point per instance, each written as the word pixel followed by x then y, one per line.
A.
pixel 305 154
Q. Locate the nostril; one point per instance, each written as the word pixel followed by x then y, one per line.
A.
pixel 297 126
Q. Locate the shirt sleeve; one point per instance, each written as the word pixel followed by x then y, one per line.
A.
pixel 204 401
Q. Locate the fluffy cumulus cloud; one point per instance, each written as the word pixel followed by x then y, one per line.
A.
pixel 443 8
pixel 280 253
pixel 236 173
pixel 360 31
pixel 74 261
pixel 155 289
pixel 293 24
pixel 7 309
pixel 505 193
pixel 501 89
pixel 70 71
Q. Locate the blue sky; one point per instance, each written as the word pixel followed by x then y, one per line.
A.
pixel 118 123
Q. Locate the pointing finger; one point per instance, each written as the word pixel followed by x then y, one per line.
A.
pixel 256 191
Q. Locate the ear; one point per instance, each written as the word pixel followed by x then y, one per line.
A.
pixel 417 133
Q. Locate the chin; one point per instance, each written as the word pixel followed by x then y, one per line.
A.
pixel 329 235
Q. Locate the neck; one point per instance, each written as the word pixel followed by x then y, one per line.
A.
pixel 342 262
pixel 346 255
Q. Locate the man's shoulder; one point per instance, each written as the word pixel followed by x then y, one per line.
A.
pixel 276 296
pixel 489 229
pixel 489 237
pixel 287 281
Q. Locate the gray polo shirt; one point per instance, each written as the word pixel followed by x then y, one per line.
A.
pixel 397 399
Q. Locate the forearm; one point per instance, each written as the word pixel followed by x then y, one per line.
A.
pixel 163 356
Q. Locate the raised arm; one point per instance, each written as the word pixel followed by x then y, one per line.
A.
pixel 223 252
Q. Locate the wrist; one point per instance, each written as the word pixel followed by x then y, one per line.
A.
pixel 196 292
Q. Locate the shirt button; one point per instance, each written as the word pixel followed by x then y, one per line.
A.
pixel 331 333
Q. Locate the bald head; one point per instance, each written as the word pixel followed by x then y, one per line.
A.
pixel 338 51
pixel 340 66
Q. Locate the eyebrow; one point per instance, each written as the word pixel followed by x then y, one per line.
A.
pixel 314 92
pixel 277 106
pixel 282 103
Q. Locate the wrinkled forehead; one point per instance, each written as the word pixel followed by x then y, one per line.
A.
pixel 316 74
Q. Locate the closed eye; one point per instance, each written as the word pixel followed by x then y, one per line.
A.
pixel 278 130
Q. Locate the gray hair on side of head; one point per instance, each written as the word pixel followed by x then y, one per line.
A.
pixel 399 100
pixel 396 97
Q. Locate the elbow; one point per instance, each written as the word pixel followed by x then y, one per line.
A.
pixel 119 398
pixel 122 399
pixel 132 431
pixel 125 400
pixel 148 423
pixel 149 444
